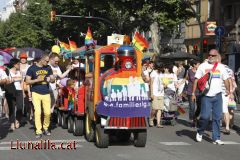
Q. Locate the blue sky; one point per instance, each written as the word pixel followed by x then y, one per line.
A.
pixel 3 3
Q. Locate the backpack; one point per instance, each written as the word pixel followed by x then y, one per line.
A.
pixel 10 87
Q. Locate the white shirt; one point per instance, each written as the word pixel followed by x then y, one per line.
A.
pixel 77 65
pixel 230 74
pixel 56 73
pixel 3 75
pixel 158 87
pixel 218 76
pixel 171 79
pixel 175 69
pixel 17 75
pixel 24 70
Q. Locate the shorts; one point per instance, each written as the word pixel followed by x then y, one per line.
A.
pixel 158 103
pixel 225 103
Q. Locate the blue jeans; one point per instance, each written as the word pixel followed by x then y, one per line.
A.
pixel 208 105
pixel 194 106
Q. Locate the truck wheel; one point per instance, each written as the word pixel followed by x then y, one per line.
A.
pixel 102 138
pixel 89 131
pixel 59 118
pixel 78 126
pixel 54 115
pixel 140 138
pixel 64 120
pixel 70 124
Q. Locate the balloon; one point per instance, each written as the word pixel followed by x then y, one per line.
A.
pixel 56 49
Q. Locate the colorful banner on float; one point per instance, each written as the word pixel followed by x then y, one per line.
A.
pixel 124 97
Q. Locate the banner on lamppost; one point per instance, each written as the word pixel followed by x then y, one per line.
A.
pixel 210 28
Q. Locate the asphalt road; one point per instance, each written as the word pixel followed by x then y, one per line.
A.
pixel 171 142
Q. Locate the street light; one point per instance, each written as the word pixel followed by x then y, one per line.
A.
pixel 53 15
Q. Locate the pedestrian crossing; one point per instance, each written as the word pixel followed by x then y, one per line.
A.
pixel 189 144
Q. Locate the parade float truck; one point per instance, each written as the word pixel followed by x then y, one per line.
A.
pixel 71 108
pixel 116 99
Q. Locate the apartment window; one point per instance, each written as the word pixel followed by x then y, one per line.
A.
pixel 197 7
pixel 210 9
pixel 229 12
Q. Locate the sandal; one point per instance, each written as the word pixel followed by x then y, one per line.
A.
pixel 151 124
pixel 159 126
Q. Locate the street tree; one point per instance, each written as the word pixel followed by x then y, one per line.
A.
pixel 127 15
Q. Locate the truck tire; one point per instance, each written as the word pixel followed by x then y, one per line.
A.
pixel 70 124
pixel 89 130
pixel 78 126
pixel 102 138
pixel 59 118
pixel 54 116
pixel 140 138
pixel 64 120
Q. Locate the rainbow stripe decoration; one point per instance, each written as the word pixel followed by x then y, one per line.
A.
pixel 71 96
pixel 89 39
pixel 73 45
pixel 216 74
pixel 232 104
pixel 139 42
pixel 64 46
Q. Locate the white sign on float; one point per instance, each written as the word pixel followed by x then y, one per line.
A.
pixel 115 39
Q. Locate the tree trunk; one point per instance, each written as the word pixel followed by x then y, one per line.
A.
pixel 154 28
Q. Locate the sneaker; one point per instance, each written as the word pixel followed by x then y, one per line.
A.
pixel 38 136
pixel 198 137
pixel 47 133
pixel 218 142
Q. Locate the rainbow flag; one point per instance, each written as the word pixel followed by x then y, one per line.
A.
pixel 89 38
pixel 64 46
pixel 73 45
pixel 139 42
pixel 71 100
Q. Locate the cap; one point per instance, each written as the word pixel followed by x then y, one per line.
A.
pixel 23 55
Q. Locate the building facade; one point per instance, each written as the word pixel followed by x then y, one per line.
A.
pixel 11 7
pixel 215 13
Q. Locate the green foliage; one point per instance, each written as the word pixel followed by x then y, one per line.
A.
pixel 32 27
pixel 28 28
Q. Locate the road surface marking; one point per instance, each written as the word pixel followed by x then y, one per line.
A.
pixel 175 143
pixel 237 114
pixel 230 142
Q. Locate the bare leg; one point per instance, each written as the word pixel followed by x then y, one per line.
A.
pixel 226 120
pixel 159 112
pixel 153 112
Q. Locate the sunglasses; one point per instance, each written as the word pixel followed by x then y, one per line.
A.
pixel 210 55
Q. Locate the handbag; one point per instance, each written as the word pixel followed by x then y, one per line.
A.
pixel 10 87
pixel 232 104
pixel 205 81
